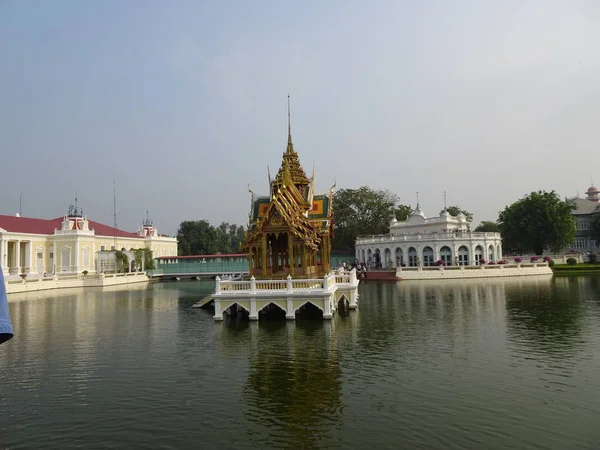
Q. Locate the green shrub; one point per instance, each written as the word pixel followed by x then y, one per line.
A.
pixel 85 272
pixel 571 261
pixel 550 262
pixel 593 258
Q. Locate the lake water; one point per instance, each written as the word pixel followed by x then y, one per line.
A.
pixel 490 364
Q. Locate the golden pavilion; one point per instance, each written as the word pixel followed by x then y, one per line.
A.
pixel 290 230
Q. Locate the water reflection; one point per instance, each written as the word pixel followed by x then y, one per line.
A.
pixel 293 389
pixel 547 318
pixel 507 363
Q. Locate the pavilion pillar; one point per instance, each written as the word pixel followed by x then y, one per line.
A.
pixel 264 254
pixel 290 250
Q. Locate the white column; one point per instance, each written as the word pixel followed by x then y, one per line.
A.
pixel 327 308
pixel 18 257
pixel 28 259
pixel 289 314
pixel 76 250
pixel 218 313
pixel 53 268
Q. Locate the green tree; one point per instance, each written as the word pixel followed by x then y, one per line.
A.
pixel 403 212
pixel 361 211
pixel 488 226
pixel 198 237
pixel 538 221
pixel 455 211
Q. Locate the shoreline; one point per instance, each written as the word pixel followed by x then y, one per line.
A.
pixel 54 282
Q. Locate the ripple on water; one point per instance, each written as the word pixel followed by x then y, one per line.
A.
pixel 434 366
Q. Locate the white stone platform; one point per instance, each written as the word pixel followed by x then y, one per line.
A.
pixel 28 284
pixel 289 294
pixel 482 271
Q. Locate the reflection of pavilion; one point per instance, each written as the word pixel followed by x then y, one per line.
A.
pixel 293 390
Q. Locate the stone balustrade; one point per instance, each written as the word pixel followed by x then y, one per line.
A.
pixel 289 294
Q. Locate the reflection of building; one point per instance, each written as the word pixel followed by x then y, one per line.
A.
pixel 290 229
pixel 585 209
pixel 70 243
pixel 294 387
pixel 423 241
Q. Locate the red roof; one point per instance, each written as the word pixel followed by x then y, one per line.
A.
pixel 29 225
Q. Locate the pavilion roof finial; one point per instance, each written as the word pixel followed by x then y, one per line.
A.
pixel 289 121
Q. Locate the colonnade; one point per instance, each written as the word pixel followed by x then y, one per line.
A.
pixel 426 254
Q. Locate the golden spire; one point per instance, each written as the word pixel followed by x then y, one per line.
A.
pixel 291 161
pixel 290 146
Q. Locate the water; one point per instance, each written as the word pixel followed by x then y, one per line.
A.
pixel 492 364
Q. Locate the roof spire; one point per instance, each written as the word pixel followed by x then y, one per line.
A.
pixel 289 122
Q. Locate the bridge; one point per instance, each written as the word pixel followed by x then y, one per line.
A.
pixel 230 266
pixel 225 266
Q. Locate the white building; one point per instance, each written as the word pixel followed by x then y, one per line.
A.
pixel 69 244
pixel 424 241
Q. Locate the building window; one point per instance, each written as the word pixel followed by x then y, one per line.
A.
pixel 102 248
pixel 580 243
pixel 583 225
pixel 112 247
pixel 51 255
pixel 40 255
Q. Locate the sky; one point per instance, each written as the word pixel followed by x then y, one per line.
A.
pixel 182 104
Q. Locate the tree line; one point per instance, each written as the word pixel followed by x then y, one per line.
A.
pixel 199 237
pixel 538 221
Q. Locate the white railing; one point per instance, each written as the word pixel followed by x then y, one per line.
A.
pixel 425 237
pixel 326 284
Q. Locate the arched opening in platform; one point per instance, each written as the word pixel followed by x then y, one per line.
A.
pixel 343 306
pixel 272 311
pixel 236 311
pixel 309 311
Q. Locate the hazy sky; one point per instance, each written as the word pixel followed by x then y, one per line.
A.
pixel 183 103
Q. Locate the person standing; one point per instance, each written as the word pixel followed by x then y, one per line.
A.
pixel 6 330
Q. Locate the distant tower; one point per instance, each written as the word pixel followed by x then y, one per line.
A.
pixel 592 194
pixel 148 228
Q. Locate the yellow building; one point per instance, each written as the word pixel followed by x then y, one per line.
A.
pixel 69 244
pixel 290 230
